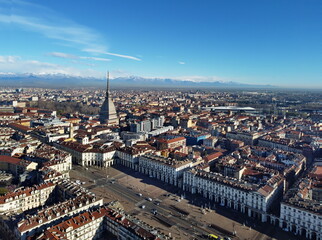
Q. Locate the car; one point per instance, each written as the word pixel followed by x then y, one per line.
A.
pixel 140 194
pixel 149 199
pixel 154 211
pixel 143 206
pixel 227 238
pixel 157 203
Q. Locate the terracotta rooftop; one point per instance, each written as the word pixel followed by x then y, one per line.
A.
pixel 8 159
pixel 60 230
pixel 172 140
pixel 212 156
pixel 25 191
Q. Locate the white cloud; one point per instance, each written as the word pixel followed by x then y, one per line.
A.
pixel 96 58
pixel 8 59
pixel 17 65
pixel 123 56
pixel 50 24
pixel 111 54
pixel 66 32
pixel 71 56
pixel 182 63
pixel 62 55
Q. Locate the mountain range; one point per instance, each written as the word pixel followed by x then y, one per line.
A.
pixel 62 81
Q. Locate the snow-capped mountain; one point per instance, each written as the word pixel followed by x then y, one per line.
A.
pixel 61 80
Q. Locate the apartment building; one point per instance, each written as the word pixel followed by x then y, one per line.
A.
pixel 301 209
pixel 33 224
pixel 129 156
pixel 51 175
pixel 16 166
pixel 60 165
pixel 302 219
pixel 26 198
pixel 104 221
pixel 172 143
pixel 251 199
pixel 278 143
pixel 165 169
pixel 248 138
pixel 90 154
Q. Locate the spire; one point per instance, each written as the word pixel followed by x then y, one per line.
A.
pixel 108 113
pixel 107 84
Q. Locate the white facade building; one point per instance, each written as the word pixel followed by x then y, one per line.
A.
pixel 62 166
pixel 239 195
pixel 165 169
pixel 246 137
pixel 92 225
pixel 160 130
pixel 26 198
pixel 129 156
pixel 31 225
pixel 301 221
pixel 90 155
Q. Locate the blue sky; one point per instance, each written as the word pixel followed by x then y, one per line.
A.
pixel 275 42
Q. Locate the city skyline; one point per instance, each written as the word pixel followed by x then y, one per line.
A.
pixel 160 164
pixel 250 42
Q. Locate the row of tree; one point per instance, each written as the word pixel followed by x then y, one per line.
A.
pixel 67 107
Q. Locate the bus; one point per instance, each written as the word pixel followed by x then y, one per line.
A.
pixel 214 237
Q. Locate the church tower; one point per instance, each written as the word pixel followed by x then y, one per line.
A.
pixel 108 113
pixel 71 130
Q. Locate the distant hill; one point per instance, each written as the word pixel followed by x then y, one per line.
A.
pixel 61 81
